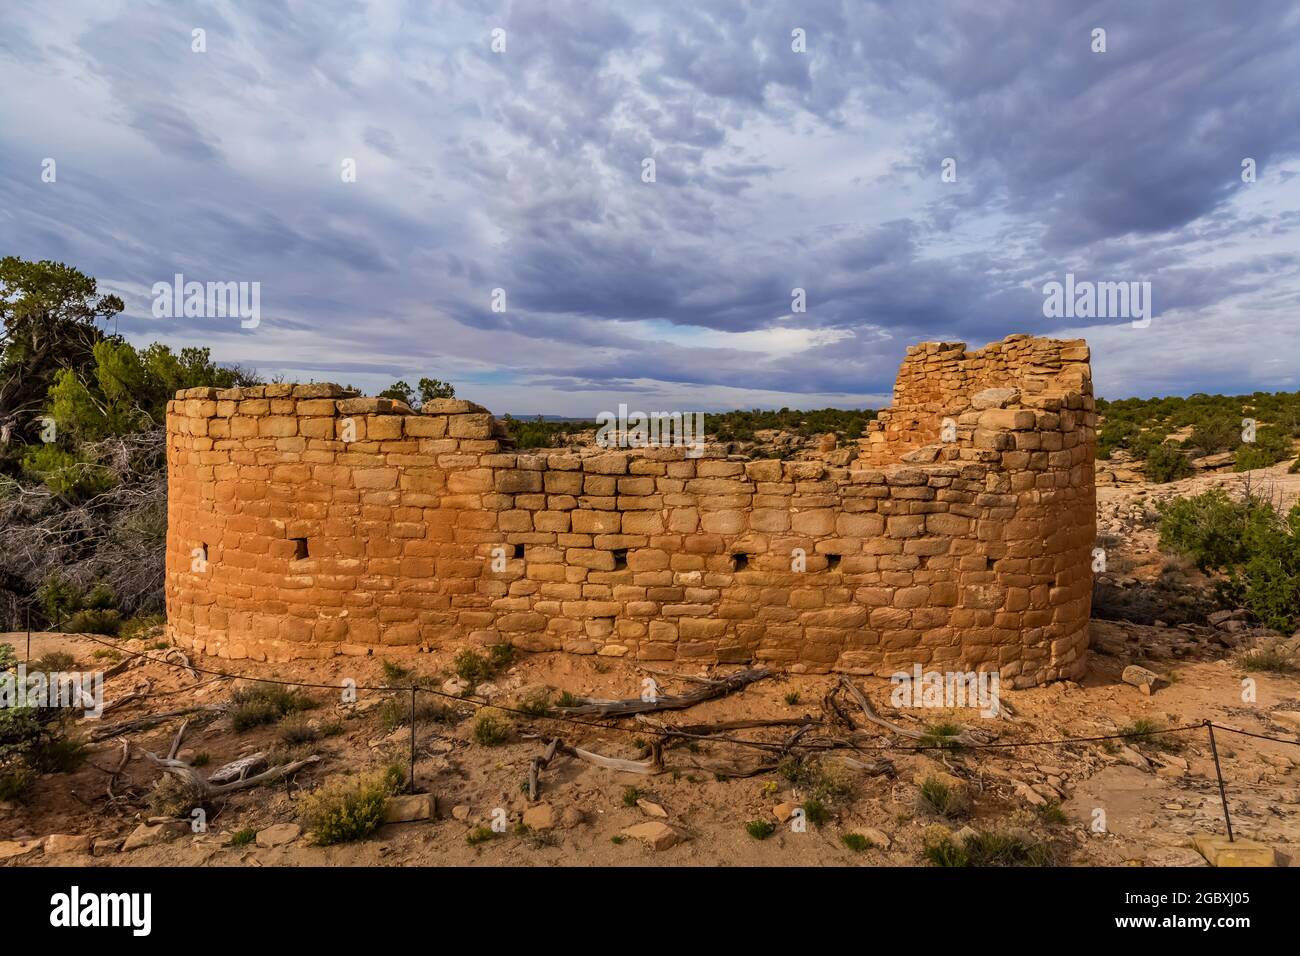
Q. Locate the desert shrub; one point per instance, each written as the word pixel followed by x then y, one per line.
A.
pixel 480 834
pixel 1267 660
pixel 8 659
pixel 1214 435
pixel 492 727
pixel 140 626
pixel 630 796
pixel 53 662
pixel 297 729
pixel 173 797
pixel 348 810
pixel 856 842
pixel 536 703
pixel 1145 732
pixel 94 621
pixel 1166 463
pixel 989 849
pixel 816 812
pixel 940 735
pixel 941 799
pixel 760 829
pixel 243 837
pixel 266 704
pixel 396 711
pixel 1269 447
pixel 475 667
pixel 824 780
pixel 1254 547
pixel 1051 812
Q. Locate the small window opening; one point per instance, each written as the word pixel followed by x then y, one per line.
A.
pixel 832 562
pixel 739 562
pixel 620 559
pixel 300 551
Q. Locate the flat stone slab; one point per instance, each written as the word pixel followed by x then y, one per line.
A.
pixel 151 834
pixel 57 843
pixel 659 836
pixel 280 834
pixel 409 807
pixel 1219 852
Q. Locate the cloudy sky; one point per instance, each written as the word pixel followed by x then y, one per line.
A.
pixel 775 169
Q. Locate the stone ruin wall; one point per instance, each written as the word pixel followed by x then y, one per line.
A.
pixel 958 548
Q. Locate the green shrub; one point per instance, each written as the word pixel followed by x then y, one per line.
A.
pixel 1150 733
pixel 1269 447
pixel 472 666
pixel 8 659
pixel 535 704
pixel 1270 661
pixel 816 812
pixel 348 810
pixel 66 474
pixel 760 829
pixel 480 834
pixel 92 621
pixel 492 727
pixel 940 799
pixel 1166 463
pixel 989 849
pixel 1249 542
pixel 243 837
pixel 940 735
pixel 856 842
pixel 396 711
pixel 266 704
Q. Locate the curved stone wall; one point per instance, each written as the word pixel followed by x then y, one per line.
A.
pixel 303 521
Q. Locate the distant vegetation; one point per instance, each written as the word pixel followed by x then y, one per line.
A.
pixel 1142 427
pixel 741 426
pixel 720 426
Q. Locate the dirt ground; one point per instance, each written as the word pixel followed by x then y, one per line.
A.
pixel 1152 797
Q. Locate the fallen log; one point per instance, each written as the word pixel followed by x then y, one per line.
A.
pixel 152 720
pixel 190 777
pixel 635 705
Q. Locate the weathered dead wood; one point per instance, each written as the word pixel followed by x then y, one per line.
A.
pixel 687 678
pixel 136 694
pixel 536 767
pixel 966 737
pixel 635 705
pixel 150 720
pixel 611 763
pixel 184 661
pixel 190 777
pixel 722 726
pixel 176 741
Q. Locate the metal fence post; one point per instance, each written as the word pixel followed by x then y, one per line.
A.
pixel 1218 772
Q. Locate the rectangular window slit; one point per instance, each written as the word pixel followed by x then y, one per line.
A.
pixel 739 562
pixel 299 549
pixel 832 562
pixel 620 559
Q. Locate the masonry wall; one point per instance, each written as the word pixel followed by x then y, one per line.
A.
pixel 307 522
